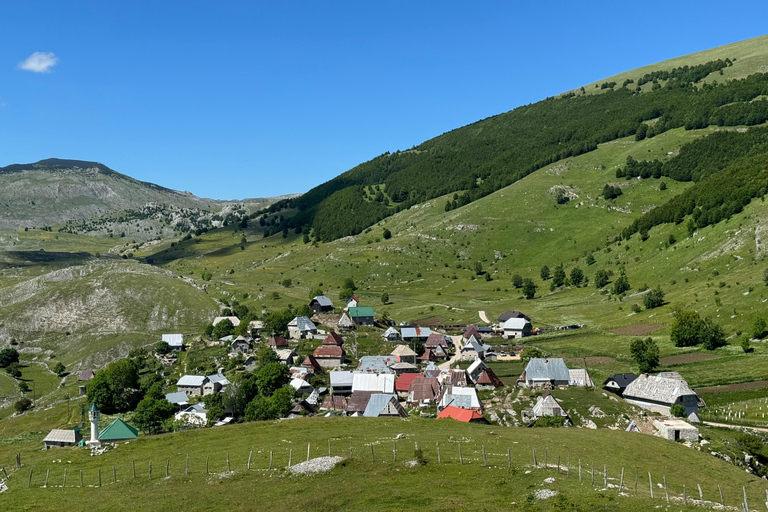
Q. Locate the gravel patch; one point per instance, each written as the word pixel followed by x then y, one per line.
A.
pixel 549 480
pixel 318 465
pixel 544 494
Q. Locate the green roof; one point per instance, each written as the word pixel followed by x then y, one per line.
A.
pixel 93 408
pixel 361 311
pixel 118 430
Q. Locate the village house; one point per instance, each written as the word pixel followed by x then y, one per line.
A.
pixel 235 321
pixel 177 398
pixel 375 364
pixel 192 385
pixel 473 350
pixel 464 398
pixel 330 354
pixel 465 415
pixel 475 369
pixel 334 403
pixel 391 334
pixel 62 437
pixel 660 393
pixel 423 391
pixel 85 376
pixel 675 430
pixel 341 382
pixel 432 370
pixel 193 416
pixel 415 333
pixel 381 382
pixel 404 354
pixel 401 368
pixel 488 381
pixel 579 377
pixel 255 327
pixel 435 340
pixel 352 303
pixel 358 402
pixel 301 386
pixel 277 343
pixel 384 405
pixel 427 356
pixel 311 364
pixel 286 356
pixel 618 382
pixel 469 332
pixel 403 383
pixel 216 383
pixel 299 372
pixel 510 314
pixel 241 344
pixel 345 322
pixel 321 304
pixel 175 341
pixel 361 315
pixel 542 371
pixel 301 328
pixel 516 328
pixel 547 405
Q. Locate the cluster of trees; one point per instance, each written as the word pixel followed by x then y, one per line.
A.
pixel 611 191
pixel 478 159
pixel 643 169
pixel 689 329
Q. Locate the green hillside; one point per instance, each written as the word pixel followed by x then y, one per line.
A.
pixel 483 157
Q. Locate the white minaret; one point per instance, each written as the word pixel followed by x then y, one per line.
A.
pixel 93 416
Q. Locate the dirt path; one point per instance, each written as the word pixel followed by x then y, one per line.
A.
pixel 726 425
pixel 457 345
pixel 482 316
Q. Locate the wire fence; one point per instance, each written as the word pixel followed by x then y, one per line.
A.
pixel 600 475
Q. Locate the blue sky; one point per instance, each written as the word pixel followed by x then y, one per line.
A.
pixel 248 99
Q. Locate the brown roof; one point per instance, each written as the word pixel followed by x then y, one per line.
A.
pixel 359 401
pixel 471 331
pixel 436 339
pixel 423 388
pixel 277 341
pixel 324 351
pixel 333 339
pixel 489 378
pixel 334 403
pixel 428 355
pixel 458 378
pixel 311 362
pixel 85 375
pixel 403 382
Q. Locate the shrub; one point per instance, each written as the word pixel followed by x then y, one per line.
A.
pixel 758 328
pixel 550 421
pixel 22 405
pixel 529 289
pixel 745 346
pixel 654 298
pixel 418 454
pixel 8 356
pixel 601 278
pixel 517 281
pixel 677 410
pixel 685 329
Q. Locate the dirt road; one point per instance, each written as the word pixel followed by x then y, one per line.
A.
pixel 456 340
pixel 482 316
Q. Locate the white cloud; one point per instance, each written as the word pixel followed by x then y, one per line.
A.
pixel 39 62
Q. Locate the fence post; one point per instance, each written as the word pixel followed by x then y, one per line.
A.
pixel 394 451
pixel 186 466
pixel 666 492
pixel 114 475
pixel 461 461
pixel 592 469
pixel 64 483
pixel 437 445
pixel 81 478
pixel 534 457
pixel 485 459
pixel 635 480
pixel 701 495
pixel 579 470
pixel 228 469
pixel 650 483
pixel 621 482
pixel 47 471
pixel 168 463
pixel 99 477
pixel 329 446
pixel 249 460
pixel 546 457
pixel 150 470
pixel 270 460
pixel 29 484
pixel 373 457
pixel 605 476
pixel 307 452
pixel 509 460
pixel 746 504
pixel 558 464
pixel 721 495
pixel 134 469
pixel 290 456
pixel 207 458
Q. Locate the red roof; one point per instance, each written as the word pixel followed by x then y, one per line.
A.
pixel 311 362
pixel 328 351
pixel 333 339
pixel 277 341
pixel 470 332
pixel 457 413
pixel 403 382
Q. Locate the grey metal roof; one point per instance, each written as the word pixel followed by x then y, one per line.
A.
pixel 303 323
pixel 415 332
pixel 541 368
pixel 191 380
pixel 341 379
pixel 59 435
pixel 383 382
pixel 516 324
pixel 376 364
pixel 460 401
pixel 217 377
pixel 177 397
pixel 173 340
pixel 657 389
pixel 548 406
pixel 323 301
pixel 377 403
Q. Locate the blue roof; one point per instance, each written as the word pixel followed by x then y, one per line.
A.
pixel 177 397
pixel 323 301
pixel 376 364
pixel 416 332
